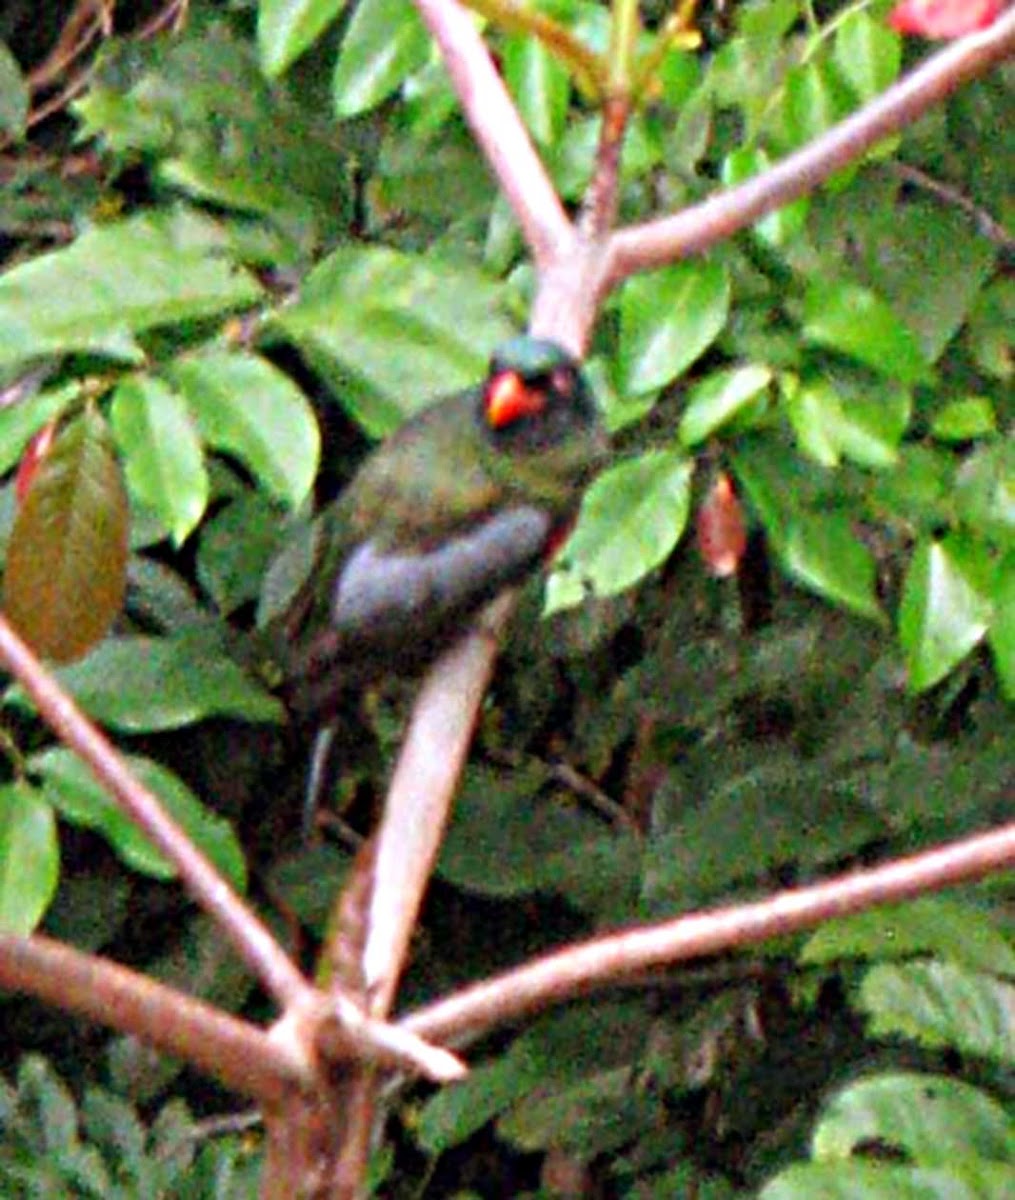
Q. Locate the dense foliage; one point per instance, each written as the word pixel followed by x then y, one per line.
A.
pixel 255 243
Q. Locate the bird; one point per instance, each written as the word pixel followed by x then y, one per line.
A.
pixel 463 501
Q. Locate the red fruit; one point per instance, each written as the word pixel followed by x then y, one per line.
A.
pixel 35 452
pixel 943 18
pixel 722 532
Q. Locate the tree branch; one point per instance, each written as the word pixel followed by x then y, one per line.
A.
pixel 603 961
pixel 498 130
pixel 695 229
pixel 252 939
pixel 238 1054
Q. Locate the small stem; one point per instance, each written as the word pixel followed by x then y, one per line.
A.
pixel 585 64
pixel 624 29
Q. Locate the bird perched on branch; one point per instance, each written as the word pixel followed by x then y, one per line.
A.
pixel 463 501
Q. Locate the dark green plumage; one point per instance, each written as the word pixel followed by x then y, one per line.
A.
pixel 464 500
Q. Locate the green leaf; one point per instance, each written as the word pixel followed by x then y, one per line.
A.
pixel 14 96
pixel 944 612
pixel 285 28
pixel 1002 629
pixel 140 685
pixel 813 99
pixel 963 420
pixel 668 319
pixel 942 1004
pixel 970 1179
pixel 252 410
pixel 163 459
pixel 540 85
pixel 72 788
pixel 984 491
pixel 29 858
pixel 236 548
pixel 391 331
pixel 867 54
pixel 385 42
pixel 67 556
pixel 631 518
pixel 718 399
pixel 831 422
pixel 934 925
pixel 117 280
pixel 823 552
pixel 921 258
pixel 931 1119
pixel 20 422
pixel 854 321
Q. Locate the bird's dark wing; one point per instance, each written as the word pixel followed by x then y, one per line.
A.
pixel 395 611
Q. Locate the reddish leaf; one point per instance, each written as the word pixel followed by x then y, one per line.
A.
pixel 35 452
pixel 722 534
pixel 67 557
pixel 943 18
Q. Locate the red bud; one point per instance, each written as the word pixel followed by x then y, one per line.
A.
pixel 722 532
pixel 943 18
pixel 35 452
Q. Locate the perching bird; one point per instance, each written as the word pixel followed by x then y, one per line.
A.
pixel 463 501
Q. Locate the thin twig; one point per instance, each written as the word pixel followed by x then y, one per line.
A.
pixel 987 225
pixel 695 229
pixel 603 961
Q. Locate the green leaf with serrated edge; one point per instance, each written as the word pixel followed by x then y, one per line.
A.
pixel 72 788
pixel 962 420
pixel 252 410
pixel 941 1004
pixel 286 28
pixel 935 925
pixel 823 552
pixel 717 400
pixel 856 322
pixel 830 424
pixel 29 858
pixel 1002 628
pixel 540 85
pixel 141 684
pixel 944 611
pixel 385 42
pixel 117 280
pixel 392 331
pixel 163 460
pixel 20 422
pixel 668 319
pixel 67 556
pixel 970 1179
pixel 867 54
pixel 931 1119
pixel 631 518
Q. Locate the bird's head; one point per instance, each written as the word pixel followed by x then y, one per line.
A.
pixel 536 399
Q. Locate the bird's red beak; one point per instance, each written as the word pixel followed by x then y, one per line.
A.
pixel 509 398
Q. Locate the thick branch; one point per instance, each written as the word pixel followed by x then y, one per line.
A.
pixel 498 130
pixel 695 229
pixel 249 935
pixel 240 1055
pixel 578 969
